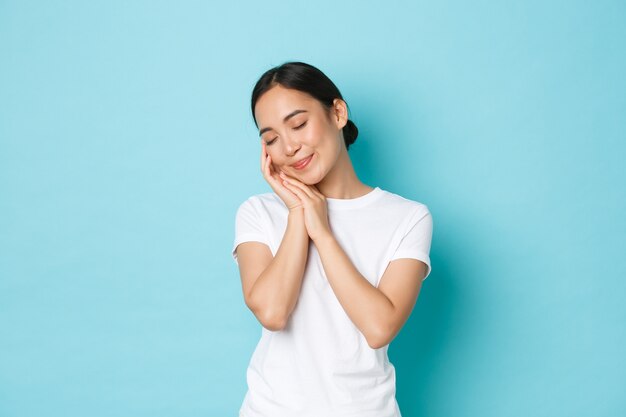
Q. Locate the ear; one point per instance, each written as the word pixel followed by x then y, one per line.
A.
pixel 339 113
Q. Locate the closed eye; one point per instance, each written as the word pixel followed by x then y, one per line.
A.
pixel 295 128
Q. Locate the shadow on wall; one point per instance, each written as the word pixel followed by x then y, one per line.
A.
pixel 440 326
pixel 390 152
pixel 422 343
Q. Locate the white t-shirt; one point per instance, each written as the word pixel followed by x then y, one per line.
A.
pixel 320 364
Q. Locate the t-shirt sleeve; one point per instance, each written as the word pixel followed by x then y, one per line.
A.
pixel 248 227
pixel 415 243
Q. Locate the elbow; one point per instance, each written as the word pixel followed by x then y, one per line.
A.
pixel 379 337
pixel 273 322
pixel 377 343
pixel 270 318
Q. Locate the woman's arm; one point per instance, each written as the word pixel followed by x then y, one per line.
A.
pixel 271 285
pixel 379 313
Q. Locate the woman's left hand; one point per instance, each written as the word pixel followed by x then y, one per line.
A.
pixel 315 207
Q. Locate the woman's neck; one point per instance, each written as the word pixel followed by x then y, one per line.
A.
pixel 342 181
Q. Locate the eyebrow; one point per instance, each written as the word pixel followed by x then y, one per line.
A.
pixel 289 116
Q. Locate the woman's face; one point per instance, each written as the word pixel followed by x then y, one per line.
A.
pixel 295 126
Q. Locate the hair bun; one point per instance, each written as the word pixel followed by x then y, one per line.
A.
pixel 350 133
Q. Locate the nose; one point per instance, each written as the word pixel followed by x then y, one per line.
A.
pixel 291 146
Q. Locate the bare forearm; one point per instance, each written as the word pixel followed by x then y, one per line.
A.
pixel 365 304
pixel 275 292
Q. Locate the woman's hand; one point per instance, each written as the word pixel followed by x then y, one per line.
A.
pixel 315 206
pixel 271 176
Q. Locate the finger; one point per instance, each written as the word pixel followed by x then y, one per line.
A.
pixel 317 192
pixel 297 183
pixel 300 185
pixel 271 174
pixel 263 157
pixel 270 165
pixel 296 190
pixel 262 161
pixel 271 177
pixel 266 162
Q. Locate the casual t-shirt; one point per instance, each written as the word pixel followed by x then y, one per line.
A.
pixel 320 364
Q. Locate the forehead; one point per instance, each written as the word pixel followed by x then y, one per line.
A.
pixel 279 101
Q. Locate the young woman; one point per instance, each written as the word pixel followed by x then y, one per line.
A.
pixel 331 267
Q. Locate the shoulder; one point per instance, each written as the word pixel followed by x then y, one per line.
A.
pixel 263 202
pixel 403 205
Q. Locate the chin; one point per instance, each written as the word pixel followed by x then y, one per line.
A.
pixel 311 179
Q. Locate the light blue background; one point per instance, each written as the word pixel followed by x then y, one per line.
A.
pixel 126 145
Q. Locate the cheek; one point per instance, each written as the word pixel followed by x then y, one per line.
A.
pixel 273 151
pixel 321 136
pixel 277 156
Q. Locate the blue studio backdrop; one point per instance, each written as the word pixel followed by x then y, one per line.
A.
pixel 127 144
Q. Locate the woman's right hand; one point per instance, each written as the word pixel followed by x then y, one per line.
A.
pixel 291 200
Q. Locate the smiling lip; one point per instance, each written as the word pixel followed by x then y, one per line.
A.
pixel 303 162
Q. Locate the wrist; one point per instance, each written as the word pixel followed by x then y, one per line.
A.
pixel 296 214
pixel 323 239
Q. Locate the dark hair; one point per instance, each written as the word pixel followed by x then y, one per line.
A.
pixel 308 79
